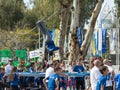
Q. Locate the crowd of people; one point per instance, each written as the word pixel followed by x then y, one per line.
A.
pixel 102 76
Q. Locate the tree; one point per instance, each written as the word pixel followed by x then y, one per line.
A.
pixel 64 18
pixel 87 40
pixel 47 11
pixel 19 39
pixel 74 47
pixel 76 51
pixel 11 12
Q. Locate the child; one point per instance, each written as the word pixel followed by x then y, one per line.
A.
pixel 117 82
pixel 54 80
pixel 14 79
pixel 101 83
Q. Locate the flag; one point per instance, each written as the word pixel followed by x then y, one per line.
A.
pixel 113 40
pixel 79 33
pixel 55 35
pixel 99 39
pixel 104 48
pixel 93 45
pixel 96 40
pixel 57 31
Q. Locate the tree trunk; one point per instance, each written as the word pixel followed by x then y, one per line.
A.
pixel 74 47
pixel 63 27
pixel 87 40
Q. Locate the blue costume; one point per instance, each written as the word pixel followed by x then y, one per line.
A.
pixel 79 80
pixel 15 82
pixel 117 80
pixel 51 81
pixel 1 76
pixel 101 81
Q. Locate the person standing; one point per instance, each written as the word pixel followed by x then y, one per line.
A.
pixel 95 74
pixel 80 82
pixel 14 82
pixel 110 76
pixel 8 69
pixel 101 83
pixel 117 81
pixel 48 73
pixel 54 80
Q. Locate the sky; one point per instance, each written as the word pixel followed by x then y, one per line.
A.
pixel 28 3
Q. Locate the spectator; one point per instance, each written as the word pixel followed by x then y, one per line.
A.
pixel 110 76
pixel 54 80
pixel 49 72
pixel 8 69
pixel 80 82
pixel 117 82
pixel 94 74
pixel 14 79
pixel 22 80
pixel 101 83
pixel 2 84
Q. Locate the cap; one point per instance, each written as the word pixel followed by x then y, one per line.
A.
pixel 55 59
pixel 10 60
pixel 109 60
pixel 105 61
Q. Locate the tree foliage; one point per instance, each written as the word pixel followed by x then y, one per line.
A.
pixel 19 39
pixel 11 12
pixel 48 10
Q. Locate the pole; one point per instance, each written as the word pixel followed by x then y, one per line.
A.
pixel 39 39
pixel 117 46
pixel 118 42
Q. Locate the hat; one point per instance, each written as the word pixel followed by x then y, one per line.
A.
pixel 10 60
pixel 109 60
pixel 55 59
pixel 105 61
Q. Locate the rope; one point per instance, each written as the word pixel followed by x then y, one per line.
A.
pixel 46 20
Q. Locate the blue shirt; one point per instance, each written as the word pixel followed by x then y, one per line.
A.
pixel 117 80
pixel 78 68
pixel 15 80
pixel 31 69
pixel 101 82
pixel 1 75
pixel 51 81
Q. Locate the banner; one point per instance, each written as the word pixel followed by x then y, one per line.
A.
pixel 99 39
pixel 113 41
pixel 93 45
pixel 57 32
pixel 79 33
pixel 96 40
pixel 22 54
pixel 5 53
pixel 5 59
pixel 34 54
pixel 104 48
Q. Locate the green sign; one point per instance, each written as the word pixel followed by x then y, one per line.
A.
pixel 21 54
pixel 5 53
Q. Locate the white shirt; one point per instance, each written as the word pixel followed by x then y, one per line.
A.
pixel 8 69
pixel 94 75
pixel 49 72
